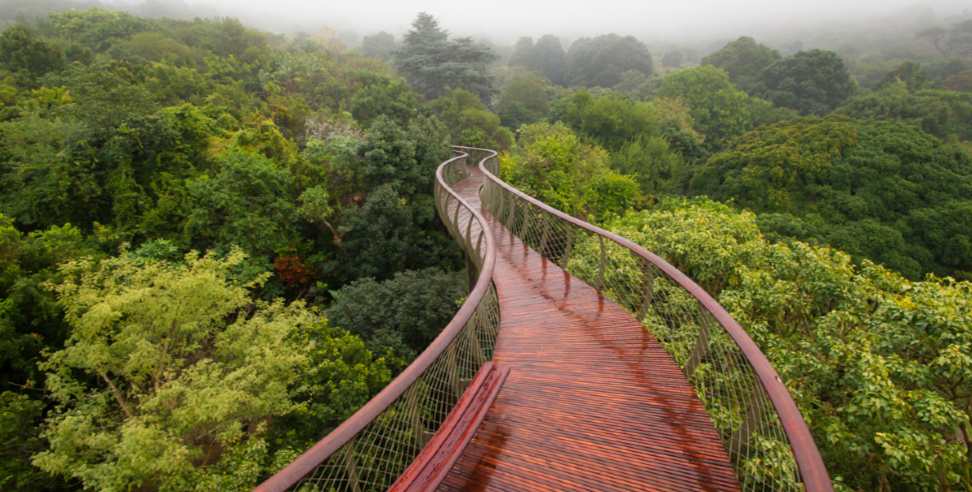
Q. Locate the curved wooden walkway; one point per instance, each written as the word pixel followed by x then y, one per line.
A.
pixel 592 400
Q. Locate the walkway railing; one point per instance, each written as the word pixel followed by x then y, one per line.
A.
pixel 762 429
pixel 371 449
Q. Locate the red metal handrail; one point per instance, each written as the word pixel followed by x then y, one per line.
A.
pixel 324 449
pixel 812 470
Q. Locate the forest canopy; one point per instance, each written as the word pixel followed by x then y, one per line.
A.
pixel 217 242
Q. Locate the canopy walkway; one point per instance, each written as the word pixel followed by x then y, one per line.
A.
pixel 579 361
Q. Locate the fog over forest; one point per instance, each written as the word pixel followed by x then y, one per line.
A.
pixel 503 21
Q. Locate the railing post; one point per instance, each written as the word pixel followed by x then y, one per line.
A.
pixel 418 427
pixel 525 226
pixel 567 249
pixel 444 215
pixel 750 423
pixel 472 333
pixel 438 199
pixel 453 369
pixel 648 294
pixel 700 349
pixel 467 239
pixel 479 243
pixel 544 236
pixel 601 264
pixel 455 219
pixel 353 481
pixel 471 272
pixel 509 220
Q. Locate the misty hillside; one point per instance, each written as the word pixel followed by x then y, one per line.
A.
pixel 220 235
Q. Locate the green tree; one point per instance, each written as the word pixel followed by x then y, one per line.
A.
pixel 610 119
pixel 433 63
pixel 384 97
pixel 22 50
pixel 650 160
pixel 744 60
pixel 545 57
pixel 401 315
pixel 387 214
pixel 180 393
pixel 836 177
pixel 720 110
pixel 878 365
pixel 944 114
pixel 20 417
pixel 811 82
pixel 622 126
pixel 961 81
pixel 469 121
pixel 248 202
pixel 97 27
pixel 522 53
pixel 910 73
pixel 600 61
pixel 30 322
pixel 50 164
pixel 551 163
pixel 525 99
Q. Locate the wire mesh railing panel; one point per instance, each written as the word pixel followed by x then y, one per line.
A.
pixel 370 450
pixel 379 453
pixel 765 437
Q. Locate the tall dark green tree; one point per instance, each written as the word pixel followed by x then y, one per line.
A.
pixel 522 52
pixel 550 57
pixel 546 57
pixel 21 50
pixel 811 82
pixel 433 63
pixel 601 61
pixel 744 60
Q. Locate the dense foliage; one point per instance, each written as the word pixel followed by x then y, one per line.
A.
pixel 433 63
pixel 811 82
pixel 880 366
pixel 720 110
pixel 187 391
pixel 524 99
pixel 401 315
pixel 945 114
pixel 744 60
pixel 545 57
pixel 602 60
pixel 882 190
pixel 551 163
pixel 300 168
pixel 303 170
pixel 470 121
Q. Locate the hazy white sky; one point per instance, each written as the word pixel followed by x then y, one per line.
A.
pixel 643 18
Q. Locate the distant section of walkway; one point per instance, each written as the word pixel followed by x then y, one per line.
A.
pixel 592 402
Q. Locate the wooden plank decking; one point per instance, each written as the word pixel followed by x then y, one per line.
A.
pixel 592 401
